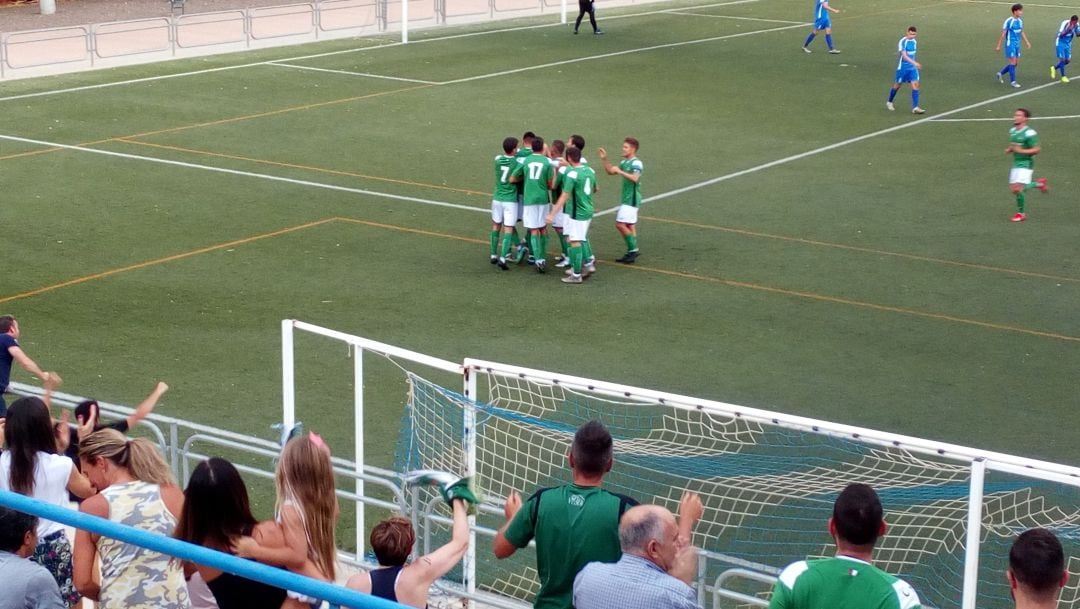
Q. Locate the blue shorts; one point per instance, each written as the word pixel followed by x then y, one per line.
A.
pixel 1064 51
pixel 823 24
pixel 1012 51
pixel 907 75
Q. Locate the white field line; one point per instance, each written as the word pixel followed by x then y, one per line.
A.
pixel 246 174
pixel 669 45
pixel 817 151
pixel 738 18
pixel 314 69
pixel 1073 6
pixel 1004 118
pixel 332 53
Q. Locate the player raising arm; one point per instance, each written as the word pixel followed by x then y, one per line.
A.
pixel 1065 35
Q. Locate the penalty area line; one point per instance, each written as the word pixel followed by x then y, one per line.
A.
pixel 1003 118
pixel 246 174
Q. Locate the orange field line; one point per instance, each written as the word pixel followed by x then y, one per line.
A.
pixel 224 121
pixel 639 268
pixel 297 166
pixel 856 303
pixel 221 121
pixel 156 261
pixel 868 250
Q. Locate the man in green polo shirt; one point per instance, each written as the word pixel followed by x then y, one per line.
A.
pixel 573 525
pixel 847 579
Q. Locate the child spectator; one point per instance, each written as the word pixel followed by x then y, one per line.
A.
pixel 26 583
pixel 392 541
pixel 217 511
pixel 307 511
pixel 30 466
pixel 138 490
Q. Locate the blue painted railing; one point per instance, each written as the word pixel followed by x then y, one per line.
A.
pixel 335 595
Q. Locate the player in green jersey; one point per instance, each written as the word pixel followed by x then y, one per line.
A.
pixel 578 186
pixel 1023 145
pixel 848 579
pixel 1036 570
pixel 557 152
pixel 503 204
pixel 536 173
pixel 630 168
pixel 522 242
pixel 573 524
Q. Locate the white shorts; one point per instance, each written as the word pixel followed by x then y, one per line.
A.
pixel 536 215
pixel 560 220
pixel 504 213
pixel 576 230
pixel 627 214
pixel 1019 175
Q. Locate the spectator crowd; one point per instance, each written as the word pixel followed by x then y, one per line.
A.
pixel 595 549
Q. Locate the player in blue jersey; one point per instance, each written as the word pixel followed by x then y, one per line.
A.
pixel 1012 32
pixel 1068 30
pixel 822 23
pixel 907 71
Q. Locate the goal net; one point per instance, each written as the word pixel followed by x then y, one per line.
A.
pixel 768 481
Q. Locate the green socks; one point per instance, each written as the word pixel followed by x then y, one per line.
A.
pixel 494 237
pixel 1020 201
pixel 508 239
pixel 631 243
pixel 577 254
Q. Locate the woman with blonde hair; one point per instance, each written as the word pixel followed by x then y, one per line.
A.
pixel 136 488
pixel 307 512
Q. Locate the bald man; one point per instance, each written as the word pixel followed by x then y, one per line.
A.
pixel 658 563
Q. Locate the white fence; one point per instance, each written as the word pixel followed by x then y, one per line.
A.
pixel 84 47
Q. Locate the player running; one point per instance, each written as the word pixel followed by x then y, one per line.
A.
pixel 1012 32
pixel 1065 35
pixel 1023 145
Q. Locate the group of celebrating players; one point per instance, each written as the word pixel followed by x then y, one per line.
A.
pixel 540 184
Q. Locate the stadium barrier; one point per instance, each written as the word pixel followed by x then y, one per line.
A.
pixel 61 50
pixel 333 594
pixel 768 479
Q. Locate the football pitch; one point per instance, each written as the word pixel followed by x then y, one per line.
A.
pixel 803 249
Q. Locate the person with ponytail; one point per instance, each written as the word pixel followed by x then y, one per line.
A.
pixel 31 466
pixel 136 489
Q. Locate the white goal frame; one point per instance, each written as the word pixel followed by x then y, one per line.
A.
pixel 978 461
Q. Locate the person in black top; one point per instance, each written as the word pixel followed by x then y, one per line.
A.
pixel 216 512
pixel 392 541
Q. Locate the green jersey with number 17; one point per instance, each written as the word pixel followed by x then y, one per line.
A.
pixel 631 190
pixel 536 172
pixel 505 191
pixel 1024 137
pixel 579 182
